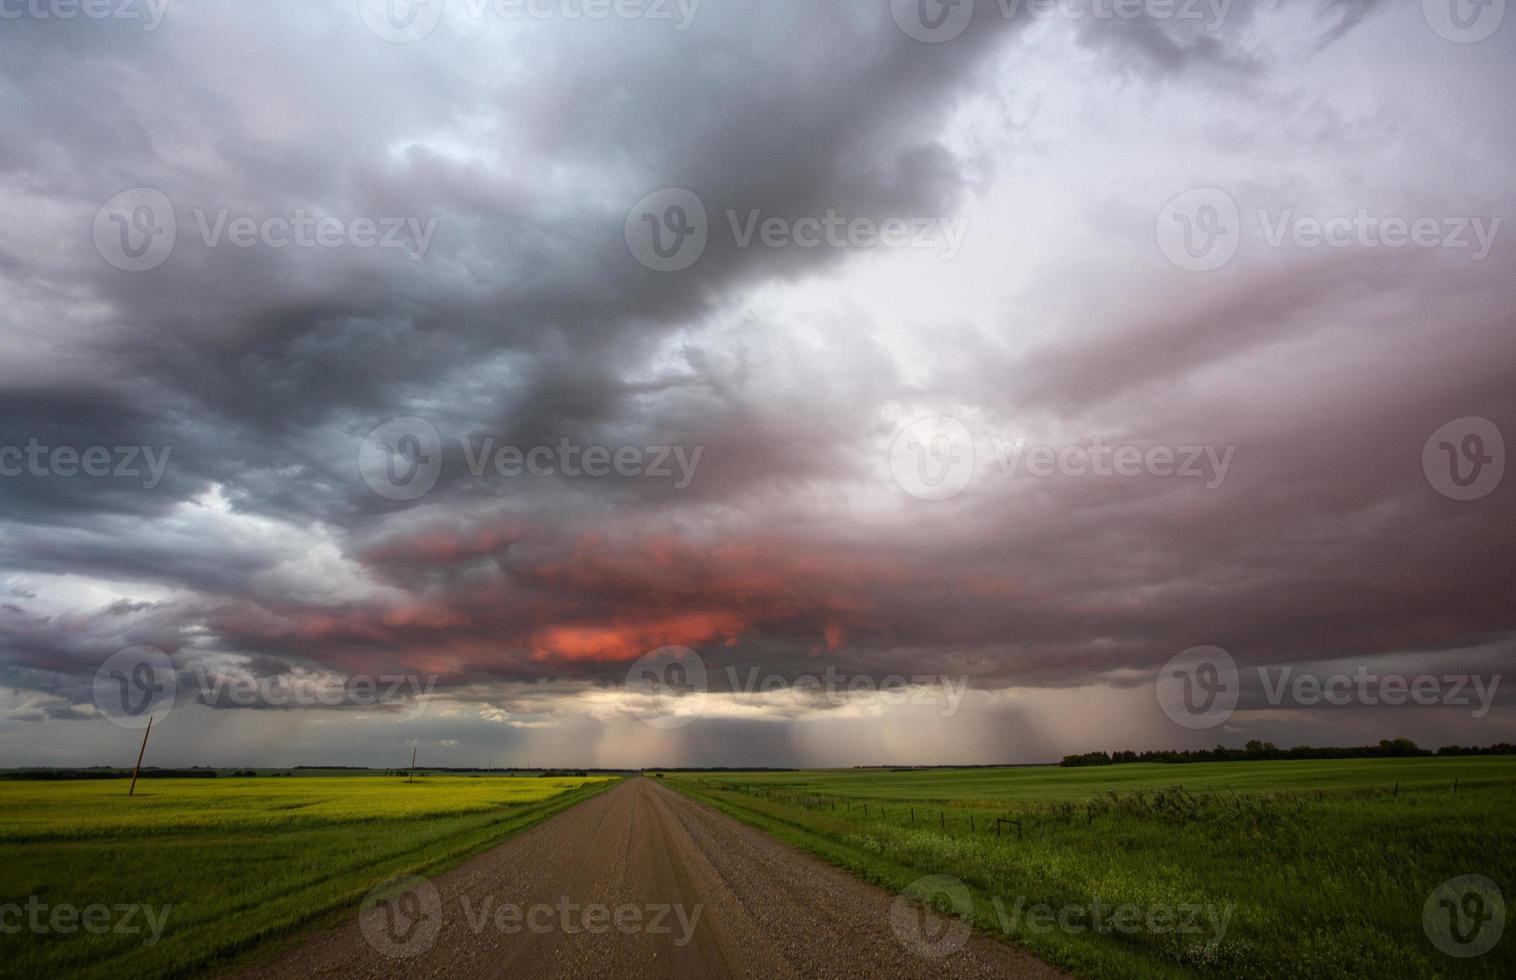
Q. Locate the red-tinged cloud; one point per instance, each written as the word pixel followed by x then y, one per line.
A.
pixel 1319 369
pixel 620 642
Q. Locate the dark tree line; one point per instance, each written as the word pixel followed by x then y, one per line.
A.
pixel 1390 748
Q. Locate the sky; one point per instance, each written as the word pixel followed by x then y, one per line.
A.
pixel 647 383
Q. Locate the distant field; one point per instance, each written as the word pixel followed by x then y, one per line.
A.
pixel 239 860
pixel 1325 864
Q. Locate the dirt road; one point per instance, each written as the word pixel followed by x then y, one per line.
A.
pixel 641 882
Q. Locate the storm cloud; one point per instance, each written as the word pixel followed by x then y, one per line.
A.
pixel 391 251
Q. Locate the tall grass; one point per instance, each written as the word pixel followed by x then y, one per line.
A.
pixel 1323 879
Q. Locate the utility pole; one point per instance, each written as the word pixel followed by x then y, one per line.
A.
pixel 412 777
pixel 140 753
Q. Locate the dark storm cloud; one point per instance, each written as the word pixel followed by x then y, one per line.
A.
pixel 57 655
pixel 1151 47
pixel 242 354
pixel 1350 13
pixel 528 322
pixel 1215 39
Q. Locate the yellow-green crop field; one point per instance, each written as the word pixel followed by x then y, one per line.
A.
pixel 215 866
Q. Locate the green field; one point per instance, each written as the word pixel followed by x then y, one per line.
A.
pixel 1317 868
pixel 238 861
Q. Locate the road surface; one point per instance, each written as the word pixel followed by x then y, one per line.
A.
pixel 641 882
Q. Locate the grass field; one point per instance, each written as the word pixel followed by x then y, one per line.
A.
pixel 237 861
pixel 1281 868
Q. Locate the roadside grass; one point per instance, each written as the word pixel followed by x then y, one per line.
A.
pixel 240 862
pixel 1325 865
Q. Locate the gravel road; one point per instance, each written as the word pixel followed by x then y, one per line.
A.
pixel 642 882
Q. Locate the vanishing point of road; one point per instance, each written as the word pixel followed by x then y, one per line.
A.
pixel 740 904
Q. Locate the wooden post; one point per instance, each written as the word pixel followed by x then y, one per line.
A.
pixel 913 816
pixel 140 753
pixel 941 820
pixel 971 823
pixel 1397 790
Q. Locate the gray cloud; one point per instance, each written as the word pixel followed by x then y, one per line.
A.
pixel 529 322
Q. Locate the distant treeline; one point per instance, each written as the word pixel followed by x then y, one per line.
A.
pixel 102 772
pixel 197 772
pixel 108 774
pixel 1390 748
pixel 420 770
